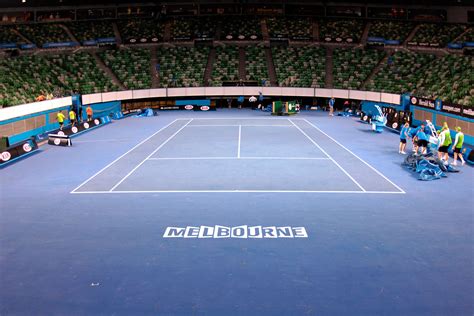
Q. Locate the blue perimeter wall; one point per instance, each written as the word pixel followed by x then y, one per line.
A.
pixel 49 126
pixel 99 109
pixel 468 139
pixel 102 109
pixel 369 108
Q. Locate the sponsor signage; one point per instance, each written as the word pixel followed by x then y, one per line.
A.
pixel 89 43
pixel 60 44
pixel 7 45
pixel 27 46
pixel 452 108
pixel 169 107
pixel 182 38
pixel 300 38
pixel 375 39
pixel 278 38
pixel 189 107
pixel 104 40
pixel 439 105
pixel 243 232
pixel 427 103
pixel 17 150
pixel 392 42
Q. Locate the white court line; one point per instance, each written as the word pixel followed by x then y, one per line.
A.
pixel 378 172
pixel 239 118
pixel 102 140
pixel 241 158
pixel 240 138
pixel 153 152
pixel 230 125
pixel 236 191
pixel 98 172
pixel 332 159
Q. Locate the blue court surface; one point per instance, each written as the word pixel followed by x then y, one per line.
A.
pixel 233 212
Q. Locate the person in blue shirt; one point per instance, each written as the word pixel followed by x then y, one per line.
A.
pixel 403 138
pixel 412 133
pixel 331 106
pixel 422 139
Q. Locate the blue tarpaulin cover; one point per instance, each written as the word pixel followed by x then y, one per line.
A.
pixel 428 166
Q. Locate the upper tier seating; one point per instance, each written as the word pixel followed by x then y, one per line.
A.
pixel 238 28
pixel 44 33
pixel 467 37
pixel 440 34
pixel 341 30
pixel 134 30
pixel 294 27
pixel 391 30
pixel 182 28
pixel 7 35
pixel 91 30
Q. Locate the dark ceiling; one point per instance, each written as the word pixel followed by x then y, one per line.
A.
pixel 36 3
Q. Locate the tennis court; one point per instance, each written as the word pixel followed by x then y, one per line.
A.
pixel 239 155
pixel 377 240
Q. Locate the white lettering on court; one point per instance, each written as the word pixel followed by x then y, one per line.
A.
pixel 243 231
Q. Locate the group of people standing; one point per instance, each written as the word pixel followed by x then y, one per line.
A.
pixel 72 117
pixel 421 137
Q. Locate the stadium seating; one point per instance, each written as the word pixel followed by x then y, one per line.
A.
pixel 300 67
pixel 204 27
pixel 256 64
pixel 59 74
pixel 341 30
pixel 467 37
pixel 440 34
pixel 182 28
pixel 352 66
pixel 226 65
pixel 182 66
pixel 138 30
pixel 44 33
pixel 402 74
pixel 89 30
pixel 236 28
pixel 25 82
pixel 449 78
pixel 7 35
pixel 84 74
pixel 131 66
pixel 295 27
pixel 391 30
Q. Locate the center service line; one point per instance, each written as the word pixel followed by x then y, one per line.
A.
pixel 240 136
pixel 332 159
pixel 153 152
